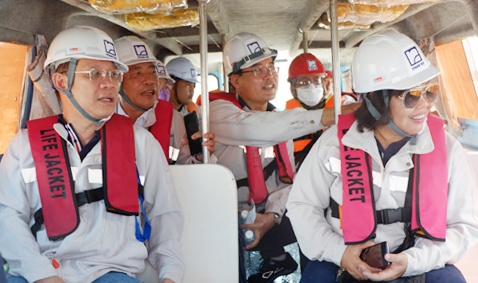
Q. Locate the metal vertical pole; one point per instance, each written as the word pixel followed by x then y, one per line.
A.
pixel 204 74
pixel 224 76
pixel 305 38
pixel 335 59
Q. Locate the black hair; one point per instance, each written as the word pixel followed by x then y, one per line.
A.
pixel 363 116
pixel 176 79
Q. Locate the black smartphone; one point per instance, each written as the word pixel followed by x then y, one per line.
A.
pixel 374 255
pixel 192 126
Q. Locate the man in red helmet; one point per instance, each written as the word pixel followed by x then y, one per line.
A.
pixel 312 88
pixel 306 74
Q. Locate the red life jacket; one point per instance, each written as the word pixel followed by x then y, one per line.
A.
pixel 161 129
pixel 255 174
pixel 429 188
pixel 56 185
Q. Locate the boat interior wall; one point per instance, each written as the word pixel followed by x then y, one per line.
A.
pixel 280 23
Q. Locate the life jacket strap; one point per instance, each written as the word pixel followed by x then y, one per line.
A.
pixel 268 170
pixel 82 198
pixel 389 216
pixel 88 196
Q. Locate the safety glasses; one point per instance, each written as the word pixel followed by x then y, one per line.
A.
pixel 94 74
pixel 411 97
pixel 262 72
pixel 304 82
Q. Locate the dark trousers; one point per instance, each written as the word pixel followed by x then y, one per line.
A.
pixel 271 245
pixel 273 242
pixel 326 272
pixel 2 272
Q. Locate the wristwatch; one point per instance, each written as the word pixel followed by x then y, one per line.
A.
pixel 277 218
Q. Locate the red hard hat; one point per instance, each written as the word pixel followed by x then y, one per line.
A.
pixel 328 74
pixel 304 64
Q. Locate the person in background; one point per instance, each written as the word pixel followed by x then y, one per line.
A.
pixel 255 143
pixel 306 74
pixel 85 196
pixel 386 173
pixel 346 98
pixel 185 76
pixel 139 101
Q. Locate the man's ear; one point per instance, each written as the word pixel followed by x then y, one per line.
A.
pixel 60 81
pixel 234 80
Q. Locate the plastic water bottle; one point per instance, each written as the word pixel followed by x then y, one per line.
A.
pixel 249 236
pixel 248 217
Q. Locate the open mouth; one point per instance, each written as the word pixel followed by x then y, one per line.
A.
pixel 418 117
pixel 149 92
pixel 106 99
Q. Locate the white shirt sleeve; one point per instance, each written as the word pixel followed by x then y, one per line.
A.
pixel 308 199
pixel 234 126
pixel 16 204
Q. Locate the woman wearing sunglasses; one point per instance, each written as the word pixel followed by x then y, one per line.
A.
pixel 386 173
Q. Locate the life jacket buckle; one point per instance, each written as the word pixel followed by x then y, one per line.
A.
pixel 389 216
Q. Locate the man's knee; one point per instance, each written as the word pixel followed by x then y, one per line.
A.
pixel 449 273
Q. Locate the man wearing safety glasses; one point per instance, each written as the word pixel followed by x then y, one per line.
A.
pixel 255 143
pixel 307 85
pixel 387 176
pixel 80 192
pixel 147 79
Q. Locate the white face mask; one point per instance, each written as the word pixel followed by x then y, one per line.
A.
pixel 311 95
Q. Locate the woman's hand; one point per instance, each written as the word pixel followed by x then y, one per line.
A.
pixel 397 267
pixel 351 260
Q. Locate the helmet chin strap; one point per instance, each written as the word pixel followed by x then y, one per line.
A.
pixel 126 98
pixel 377 116
pixel 67 92
pixel 176 97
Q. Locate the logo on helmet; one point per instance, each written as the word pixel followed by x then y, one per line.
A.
pixel 110 48
pixel 161 70
pixel 312 65
pixel 414 57
pixel 254 47
pixel 193 73
pixel 141 51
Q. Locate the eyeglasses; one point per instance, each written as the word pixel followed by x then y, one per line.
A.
pixel 410 98
pixel 305 82
pixel 262 72
pixel 94 74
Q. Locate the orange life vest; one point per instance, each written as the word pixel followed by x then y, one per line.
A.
pixel 192 107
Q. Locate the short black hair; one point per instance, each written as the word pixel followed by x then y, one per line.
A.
pixel 363 116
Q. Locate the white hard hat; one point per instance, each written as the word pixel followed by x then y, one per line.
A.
pixel 183 69
pixel 390 60
pixel 82 42
pixel 244 50
pixel 132 50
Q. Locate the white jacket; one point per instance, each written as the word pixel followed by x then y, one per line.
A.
pixel 235 128
pixel 319 179
pixel 103 241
